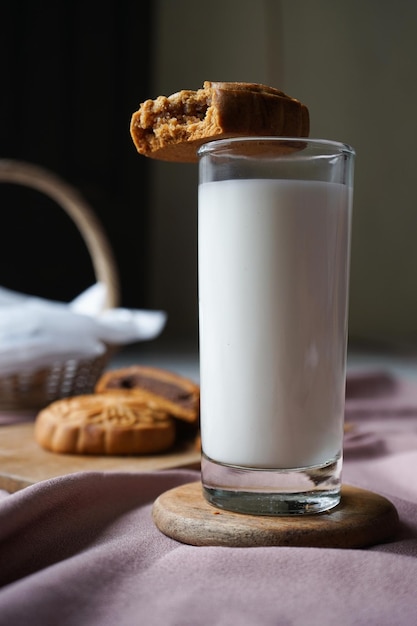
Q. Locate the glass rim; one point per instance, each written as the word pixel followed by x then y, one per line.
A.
pixel 215 144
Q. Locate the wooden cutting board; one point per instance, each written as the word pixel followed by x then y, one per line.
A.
pixel 23 462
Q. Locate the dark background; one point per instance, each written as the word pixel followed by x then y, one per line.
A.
pixel 72 74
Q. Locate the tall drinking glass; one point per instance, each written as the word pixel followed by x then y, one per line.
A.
pixel 274 247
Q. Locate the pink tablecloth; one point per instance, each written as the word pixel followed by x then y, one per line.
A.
pixel 82 549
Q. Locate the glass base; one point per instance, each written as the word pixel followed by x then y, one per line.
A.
pixel 253 491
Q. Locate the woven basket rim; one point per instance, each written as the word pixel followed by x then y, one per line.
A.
pixel 41 386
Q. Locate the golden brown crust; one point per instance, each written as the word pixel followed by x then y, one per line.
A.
pixel 175 394
pixel 105 424
pixel 173 128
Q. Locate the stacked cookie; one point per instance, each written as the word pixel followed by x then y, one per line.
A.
pixel 133 411
pixel 172 128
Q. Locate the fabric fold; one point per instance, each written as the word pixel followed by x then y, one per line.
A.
pixel 83 549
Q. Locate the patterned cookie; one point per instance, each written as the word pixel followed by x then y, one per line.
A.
pixel 105 424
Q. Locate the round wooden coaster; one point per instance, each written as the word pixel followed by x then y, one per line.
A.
pixel 362 518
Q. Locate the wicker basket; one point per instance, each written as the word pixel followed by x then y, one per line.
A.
pixel 31 390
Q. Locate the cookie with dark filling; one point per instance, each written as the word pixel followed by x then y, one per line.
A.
pixel 177 395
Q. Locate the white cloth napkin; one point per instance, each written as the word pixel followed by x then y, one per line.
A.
pixel 35 332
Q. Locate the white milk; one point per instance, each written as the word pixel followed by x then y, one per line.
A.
pixel 273 282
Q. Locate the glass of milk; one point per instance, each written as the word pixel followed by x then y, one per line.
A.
pixel 274 246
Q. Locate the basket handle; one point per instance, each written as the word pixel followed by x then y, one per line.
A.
pixel 76 207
